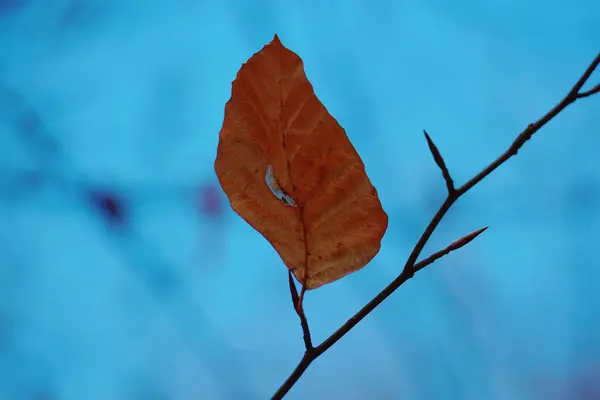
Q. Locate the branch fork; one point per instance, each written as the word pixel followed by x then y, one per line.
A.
pixel 412 266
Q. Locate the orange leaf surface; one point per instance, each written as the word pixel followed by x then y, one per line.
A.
pixel 290 171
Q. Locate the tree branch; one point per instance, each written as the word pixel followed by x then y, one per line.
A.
pixel 411 266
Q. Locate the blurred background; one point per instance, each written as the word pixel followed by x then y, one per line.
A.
pixel 124 274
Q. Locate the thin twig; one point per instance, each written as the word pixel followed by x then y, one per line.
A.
pixel 454 246
pixel 293 290
pixel 297 301
pixel 590 92
pixel 306 360
pixel 411 266
pixel 439 160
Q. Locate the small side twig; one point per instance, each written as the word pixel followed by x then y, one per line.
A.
pixel 590 92
pixel 297 301
pixel 439 160
pixel 293 290
pixel 411 266
pixel 454 246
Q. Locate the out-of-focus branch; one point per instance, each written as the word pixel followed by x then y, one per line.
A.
pixel 411 266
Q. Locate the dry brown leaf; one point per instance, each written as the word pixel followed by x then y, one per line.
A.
pixel 290 171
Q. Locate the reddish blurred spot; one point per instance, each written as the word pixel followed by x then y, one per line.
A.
pixel 109 206
pixel 211 203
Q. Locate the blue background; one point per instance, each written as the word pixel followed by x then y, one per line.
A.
pixel 165 293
